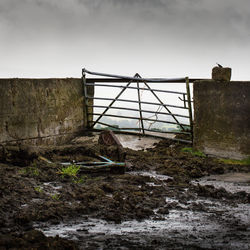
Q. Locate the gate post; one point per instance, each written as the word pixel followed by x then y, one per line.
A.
pixel 189 107
pixel 85 95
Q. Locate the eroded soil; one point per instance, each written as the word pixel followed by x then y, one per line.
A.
pixel 157 204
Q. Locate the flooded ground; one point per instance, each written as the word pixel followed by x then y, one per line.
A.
pixel 232 182
pixel 167 199
pixel 209 229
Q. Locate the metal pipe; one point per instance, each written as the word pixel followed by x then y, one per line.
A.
pixel 149 130
pixel 158 80
pixel 143 111
pixel 136 118
pixel 189 107
pixel 117 128
pixel 134 78
pixel 139 104
pixel 101 115
pixel 85 94
pixel 120 86
pixel 164 106
pixel 148 135
pixel 132 101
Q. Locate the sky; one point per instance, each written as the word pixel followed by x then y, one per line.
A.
pixel 156 38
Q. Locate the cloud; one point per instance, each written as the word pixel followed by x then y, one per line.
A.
pixel 96 30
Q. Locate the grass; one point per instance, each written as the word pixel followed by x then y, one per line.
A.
pixel 38 189
pixel 71 170
pixel 55 196
pixel 236 162
pixel 32 170
pixel 193 152
pixel 80 180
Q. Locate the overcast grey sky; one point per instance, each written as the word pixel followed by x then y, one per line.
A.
pixel 170 38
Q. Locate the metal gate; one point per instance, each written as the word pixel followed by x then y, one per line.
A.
pixel 183 131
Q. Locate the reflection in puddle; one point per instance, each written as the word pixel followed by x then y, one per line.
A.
pixel 152 175
pixel 232 182
pixel 181 221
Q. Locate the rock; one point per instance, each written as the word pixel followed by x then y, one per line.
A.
pixel 221 74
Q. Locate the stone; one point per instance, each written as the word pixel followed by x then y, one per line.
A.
pixel 221 74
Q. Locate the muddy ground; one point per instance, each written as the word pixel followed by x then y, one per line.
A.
pixel 158 203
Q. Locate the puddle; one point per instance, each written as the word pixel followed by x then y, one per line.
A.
pixel 181 220
pixel 231 182
pixel 136 142
pixel 51 188
pixel 36 200
pixel 209 229
pixel 152 175
pixel 53 185
pixel 152 184
pixel 170 200
pixel 109 195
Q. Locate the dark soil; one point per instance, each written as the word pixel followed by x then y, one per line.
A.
pixel 33 190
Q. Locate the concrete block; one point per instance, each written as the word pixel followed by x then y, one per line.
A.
pixel 41 111
pixel 222 118
pixel 221 74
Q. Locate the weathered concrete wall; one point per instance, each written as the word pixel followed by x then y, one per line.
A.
pixel 40 111
pixel 222 118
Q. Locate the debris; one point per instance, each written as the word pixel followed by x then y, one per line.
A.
pixel 109 139
pixel 105 164
pixel 44 159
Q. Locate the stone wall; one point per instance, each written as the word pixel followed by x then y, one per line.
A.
pixel 41 111
pixel 222 118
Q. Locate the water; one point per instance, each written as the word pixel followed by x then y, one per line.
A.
pixel 231 182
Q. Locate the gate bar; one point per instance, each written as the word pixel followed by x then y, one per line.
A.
pixel 121 80
pixel 136 118
pixel 101 115
pixel 139 103
pixel 85 98
pixel 133 101
pixel 148 135
pixel 142 110
pixel 164 105
pixel 121 86
pixel 135 78
pixel 189 107
pixel 150 130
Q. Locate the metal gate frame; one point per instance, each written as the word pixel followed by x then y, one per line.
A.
pixel 187 102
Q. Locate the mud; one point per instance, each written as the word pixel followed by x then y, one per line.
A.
pixel 159 203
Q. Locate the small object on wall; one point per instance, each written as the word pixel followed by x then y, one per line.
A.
pixel 219 73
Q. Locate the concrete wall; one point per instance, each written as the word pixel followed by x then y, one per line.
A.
pixel 222 118
pixel 40 111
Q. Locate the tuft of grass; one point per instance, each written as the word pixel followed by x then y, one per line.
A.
pixel 80 180
pixel 38 189
pixel 236 162
pixel 55 196
pixel 33 171
pixel 193 152
pixel 71 170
